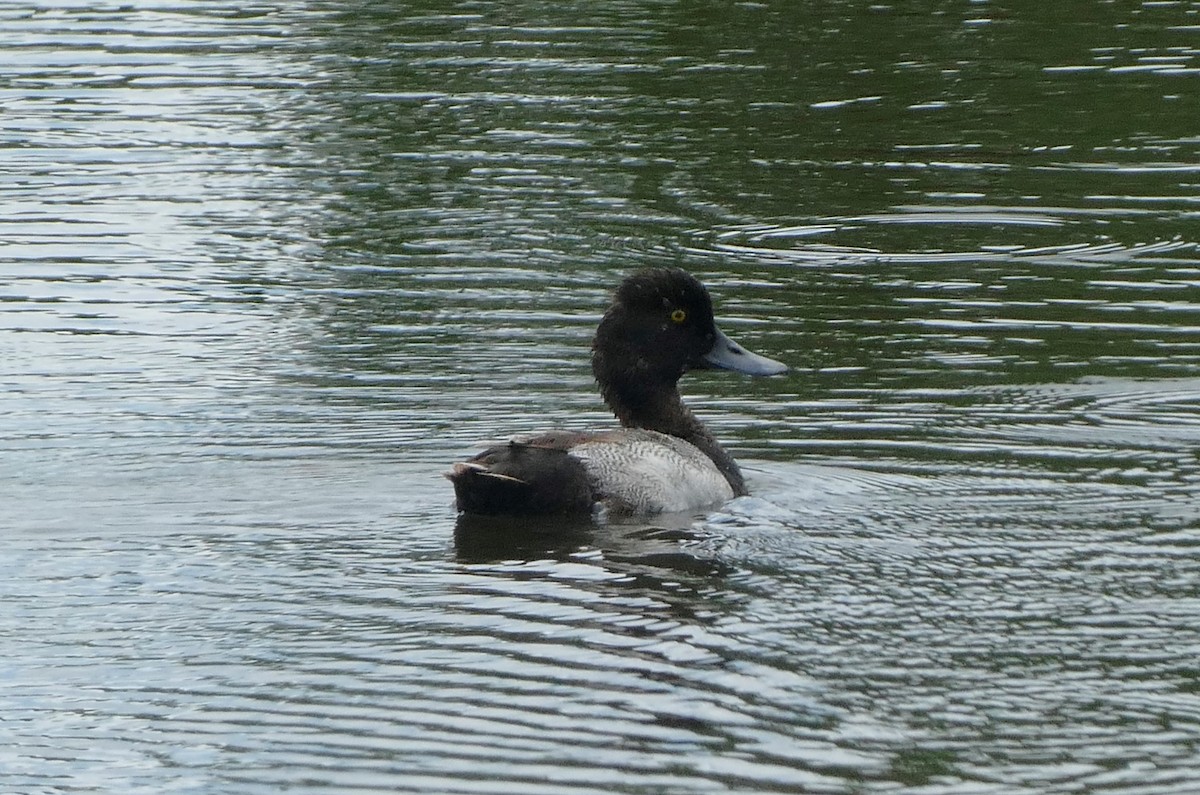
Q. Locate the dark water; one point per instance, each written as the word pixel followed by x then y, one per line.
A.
pixel 267 270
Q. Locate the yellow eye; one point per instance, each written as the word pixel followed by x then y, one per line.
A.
pixel 678 316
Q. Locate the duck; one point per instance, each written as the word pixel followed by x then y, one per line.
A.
pixel 662 458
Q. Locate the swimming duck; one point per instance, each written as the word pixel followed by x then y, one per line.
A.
pixel 663 458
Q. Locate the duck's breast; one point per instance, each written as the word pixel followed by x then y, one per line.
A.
pixel 643 471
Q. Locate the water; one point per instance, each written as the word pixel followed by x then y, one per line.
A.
pixel 266 271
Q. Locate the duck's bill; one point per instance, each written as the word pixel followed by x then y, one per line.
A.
pixel 728 355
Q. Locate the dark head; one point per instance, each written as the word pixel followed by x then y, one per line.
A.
pixel 661 325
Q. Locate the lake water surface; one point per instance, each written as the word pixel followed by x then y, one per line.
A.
pixel 267 270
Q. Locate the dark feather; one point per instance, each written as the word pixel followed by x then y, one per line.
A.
pixel 522 478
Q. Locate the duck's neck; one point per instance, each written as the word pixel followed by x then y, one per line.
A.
pixel 661 409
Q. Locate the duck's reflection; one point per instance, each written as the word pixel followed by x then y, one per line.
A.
pixel 667 548
pixel 485 539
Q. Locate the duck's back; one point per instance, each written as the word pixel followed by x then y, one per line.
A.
pixel 626 471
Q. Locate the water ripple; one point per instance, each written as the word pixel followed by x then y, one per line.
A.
pixel 268 270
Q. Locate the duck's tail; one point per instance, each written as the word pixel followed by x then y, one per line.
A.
pixel 521 478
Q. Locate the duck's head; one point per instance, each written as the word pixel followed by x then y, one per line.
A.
pixel 661 325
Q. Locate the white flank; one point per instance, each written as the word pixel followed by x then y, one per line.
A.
pixel 651 472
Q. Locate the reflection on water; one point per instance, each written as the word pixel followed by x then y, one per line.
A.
pixel 267 271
